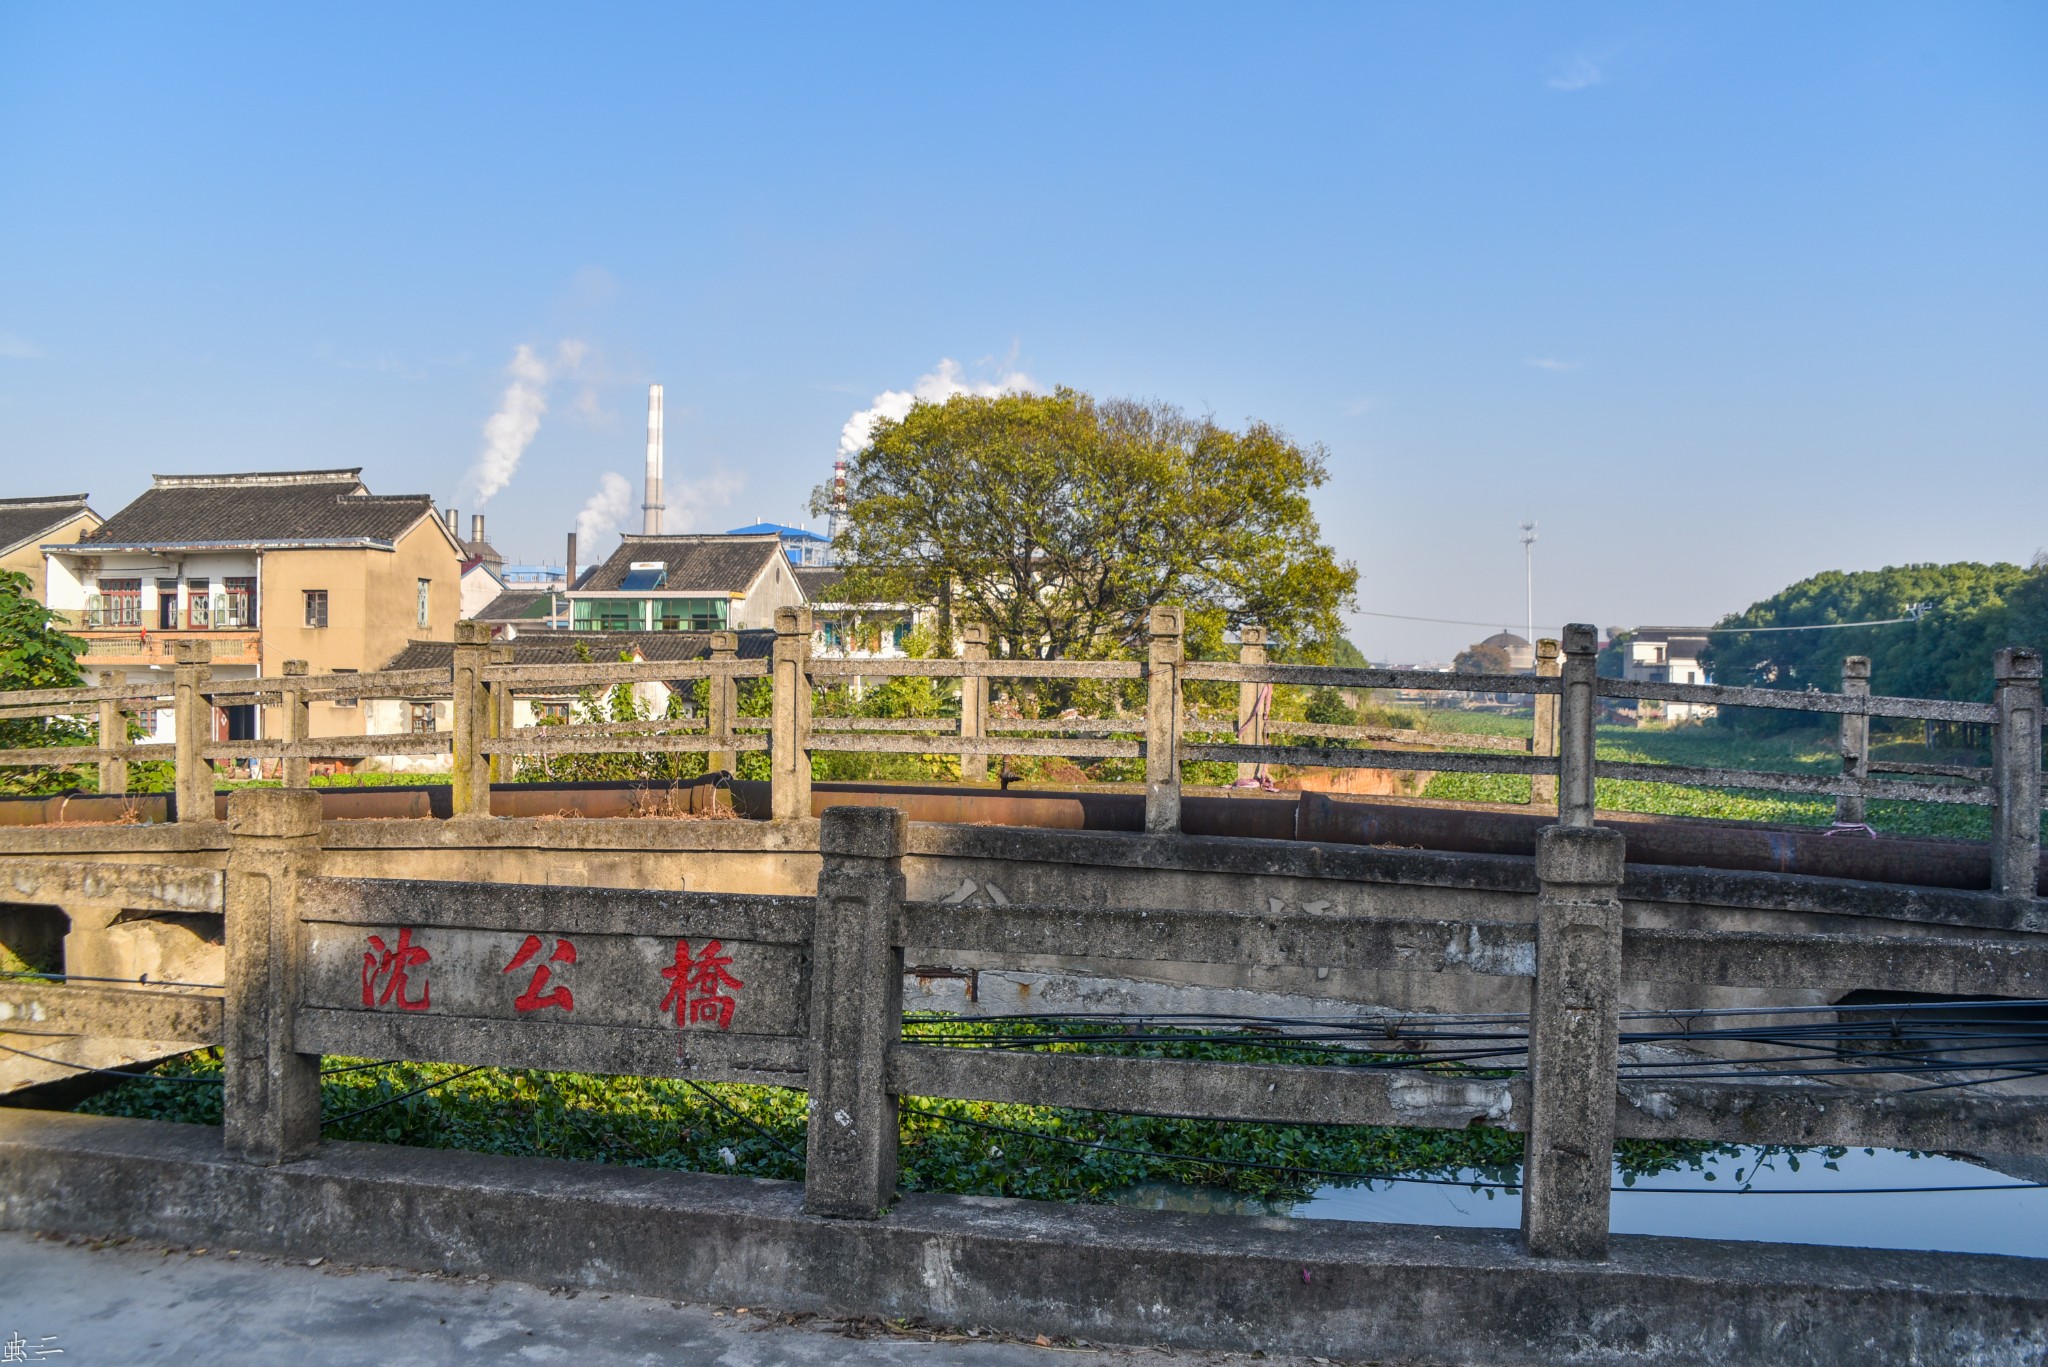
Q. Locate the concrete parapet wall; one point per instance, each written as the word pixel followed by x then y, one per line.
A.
pixel 1354 1291
pixel 122 927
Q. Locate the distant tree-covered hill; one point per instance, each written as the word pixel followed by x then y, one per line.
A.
pixel 1955 617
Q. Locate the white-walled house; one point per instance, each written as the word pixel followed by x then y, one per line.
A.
pixel 421 715
pixel 1667 655
pixel 687 583
pixel 856 631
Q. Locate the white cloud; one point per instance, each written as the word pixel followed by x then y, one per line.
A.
pixel 17 348
pixel 939 385
pixel 1358 408
pixel 509 431
pixel 1550 363
pixel 1576 74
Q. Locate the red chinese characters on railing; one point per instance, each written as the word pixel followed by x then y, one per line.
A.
pixel 695 985
pixel 701 988
pixel 534 997
pixel 389 965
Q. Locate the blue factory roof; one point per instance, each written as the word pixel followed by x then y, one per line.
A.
pixel 763 528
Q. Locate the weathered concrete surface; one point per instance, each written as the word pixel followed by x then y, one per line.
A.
pixel 271 1089
pixel 856 1014
pixel 979 869
pixel 144 1303
pixel 1572 1033
pixel 1412 822
pixel 1347 1291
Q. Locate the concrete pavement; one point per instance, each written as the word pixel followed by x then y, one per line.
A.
pixel 135 1304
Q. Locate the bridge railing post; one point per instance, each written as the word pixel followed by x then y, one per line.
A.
pixel 1576 704
pixel 1543 742
pixel 2016 773
pixel 296 770
pixel 1573 1039
pixel 193 722
pixel 789 735
pixel 469 770
pixel 113 734
pixel 498 714
pixel 974 701
pixel 721 705
pixel 271 1092
pixel 1855 740
pixel 856 1012
pixel 1251 698
pixel 1162 722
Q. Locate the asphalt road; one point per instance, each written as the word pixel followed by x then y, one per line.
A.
pixel 139 1304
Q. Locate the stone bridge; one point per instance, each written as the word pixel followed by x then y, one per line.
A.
pixel 784 951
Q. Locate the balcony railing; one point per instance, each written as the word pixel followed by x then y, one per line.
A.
pixel 129 646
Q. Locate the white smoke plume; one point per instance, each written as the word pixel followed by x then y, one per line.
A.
pixel 603 511
pixel 611 508
pixel 692 499
pixel 941 384
pixel 509 431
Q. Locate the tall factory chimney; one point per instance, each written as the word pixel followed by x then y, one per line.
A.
pixel 569 571
pixel 455 524
pixel 652 505
pixel 476 527
pixel 837 516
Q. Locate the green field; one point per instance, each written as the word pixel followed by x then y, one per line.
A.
pixel 1811 752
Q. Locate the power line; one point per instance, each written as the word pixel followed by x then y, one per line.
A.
pixel 1816 626
pixel 1446 621
pixel 1497 623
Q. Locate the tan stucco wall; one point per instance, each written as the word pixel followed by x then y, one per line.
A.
pixel 28 559
pixel 370 612
pixel 422 553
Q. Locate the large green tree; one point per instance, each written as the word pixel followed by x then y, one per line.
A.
pixel 1061 520
pixel 35 652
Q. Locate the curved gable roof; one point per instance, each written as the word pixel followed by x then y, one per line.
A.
pixel 24 521
pixel 695 564
pixel 316 506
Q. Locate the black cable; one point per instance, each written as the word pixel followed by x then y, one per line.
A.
pixel 145 980
pixel 109 1072
pixel 357 1067
pixel 402 1096
pixel 746 1120
pixel 1871 1008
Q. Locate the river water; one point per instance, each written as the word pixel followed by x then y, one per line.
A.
pixel 1814 1205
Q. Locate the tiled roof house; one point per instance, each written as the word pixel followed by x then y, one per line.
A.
pixel 296 565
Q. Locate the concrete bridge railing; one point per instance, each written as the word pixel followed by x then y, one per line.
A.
pixel 805 991
pixel 483 683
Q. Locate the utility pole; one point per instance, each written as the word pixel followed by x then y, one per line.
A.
pixel 1529 577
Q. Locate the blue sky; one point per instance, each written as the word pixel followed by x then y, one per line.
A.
pixel 1721 296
